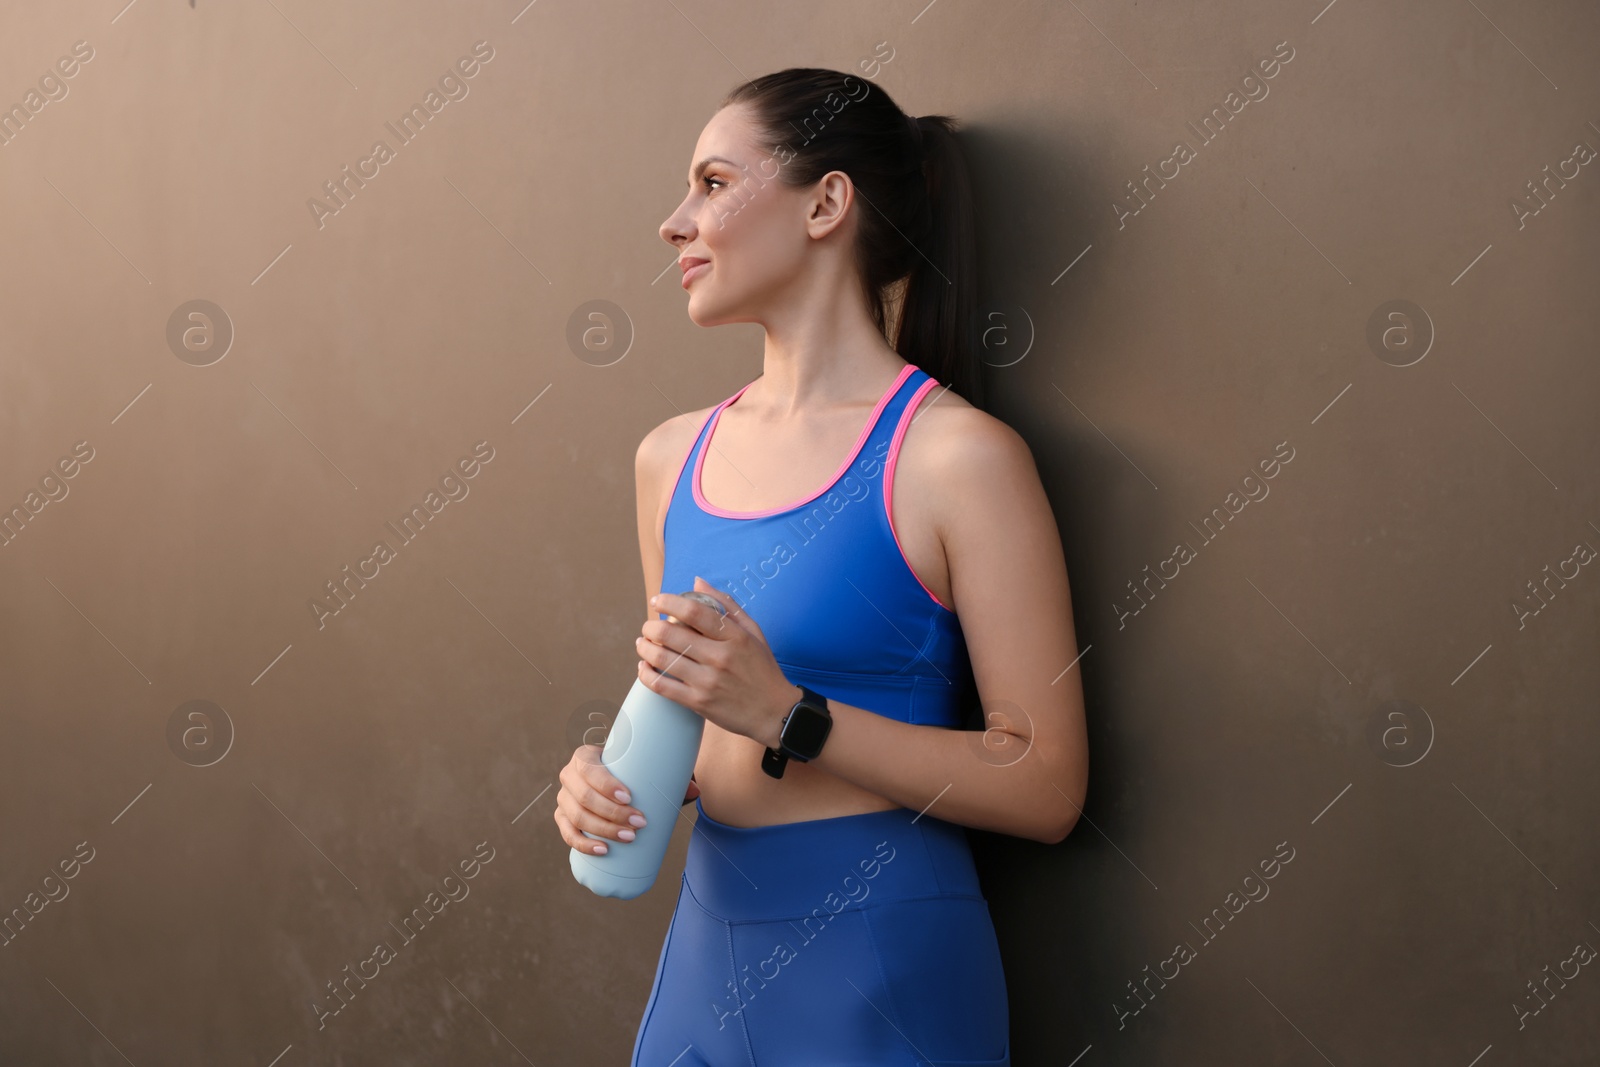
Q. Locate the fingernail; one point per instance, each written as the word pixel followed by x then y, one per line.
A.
pixel 599 849
pixel 637 820
pixel 622 796
pixel 626 835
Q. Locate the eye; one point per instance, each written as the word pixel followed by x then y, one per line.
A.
pixel 709 181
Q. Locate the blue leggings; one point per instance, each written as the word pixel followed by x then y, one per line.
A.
pixel 852 941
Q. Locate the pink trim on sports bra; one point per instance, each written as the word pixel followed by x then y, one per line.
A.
pixel 861 440
pixel 888 481
pixel 678 478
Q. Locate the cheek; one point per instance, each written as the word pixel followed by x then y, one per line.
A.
pixel 752 249
pixel 724 228
pixel 742 223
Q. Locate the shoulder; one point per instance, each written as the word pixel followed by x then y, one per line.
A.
pixel 962 459
pixel 656 463
pixel 665 447
pixel 952 436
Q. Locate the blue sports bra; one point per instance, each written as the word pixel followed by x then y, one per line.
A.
pixel 825 577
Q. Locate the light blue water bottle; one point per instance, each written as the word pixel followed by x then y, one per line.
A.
pixel 651 749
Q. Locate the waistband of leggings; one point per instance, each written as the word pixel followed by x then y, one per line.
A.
pixel 791 870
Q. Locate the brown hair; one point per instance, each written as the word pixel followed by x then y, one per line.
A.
pixel 916 216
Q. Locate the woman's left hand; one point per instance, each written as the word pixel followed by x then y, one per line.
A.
pixel 721 666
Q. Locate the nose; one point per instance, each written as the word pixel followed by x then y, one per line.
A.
pixel 678 227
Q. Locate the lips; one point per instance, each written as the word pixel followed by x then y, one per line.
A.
pixel 693 267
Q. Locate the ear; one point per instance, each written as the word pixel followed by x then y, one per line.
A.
pixel 833 194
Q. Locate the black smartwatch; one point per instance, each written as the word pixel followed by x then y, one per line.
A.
pixel 804 730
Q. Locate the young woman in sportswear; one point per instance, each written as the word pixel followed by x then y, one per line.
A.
pixel 882 548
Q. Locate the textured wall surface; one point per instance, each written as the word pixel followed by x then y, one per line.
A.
pixel 1293 303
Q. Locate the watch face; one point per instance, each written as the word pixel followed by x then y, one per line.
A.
pixel 808 728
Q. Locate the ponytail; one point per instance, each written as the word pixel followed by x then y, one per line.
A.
pixel 938 314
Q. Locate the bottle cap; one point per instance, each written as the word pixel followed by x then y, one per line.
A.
pixel 705 598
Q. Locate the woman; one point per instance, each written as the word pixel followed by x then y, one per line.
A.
pixel 829 910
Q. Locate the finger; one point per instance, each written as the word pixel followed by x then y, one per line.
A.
pixel 671 688
pixel 576 840
pixel 603 804
pixel 694 617
pixel 588 769
pixel 583 757
pixel 730 606
pixel 679 650
pixel 685 665
pixel 572 834
pixel 664 635
pixel 595 823
pixel 577 817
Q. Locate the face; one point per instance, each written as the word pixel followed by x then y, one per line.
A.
pixel 748 231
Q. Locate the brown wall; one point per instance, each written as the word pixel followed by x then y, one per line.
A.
pixel 1342 674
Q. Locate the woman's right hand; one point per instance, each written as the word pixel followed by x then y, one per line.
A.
pixel 593 799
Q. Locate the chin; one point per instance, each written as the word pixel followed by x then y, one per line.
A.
pixel 706 313
pixel 700 318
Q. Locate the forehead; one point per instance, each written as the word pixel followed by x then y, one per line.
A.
pixel 730 134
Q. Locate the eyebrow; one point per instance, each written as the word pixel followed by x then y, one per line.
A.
pixel 700 167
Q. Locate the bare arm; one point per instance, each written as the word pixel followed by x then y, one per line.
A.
pixel 1028 774
pixel 653 465
pixel 647 478
pixel 592 800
